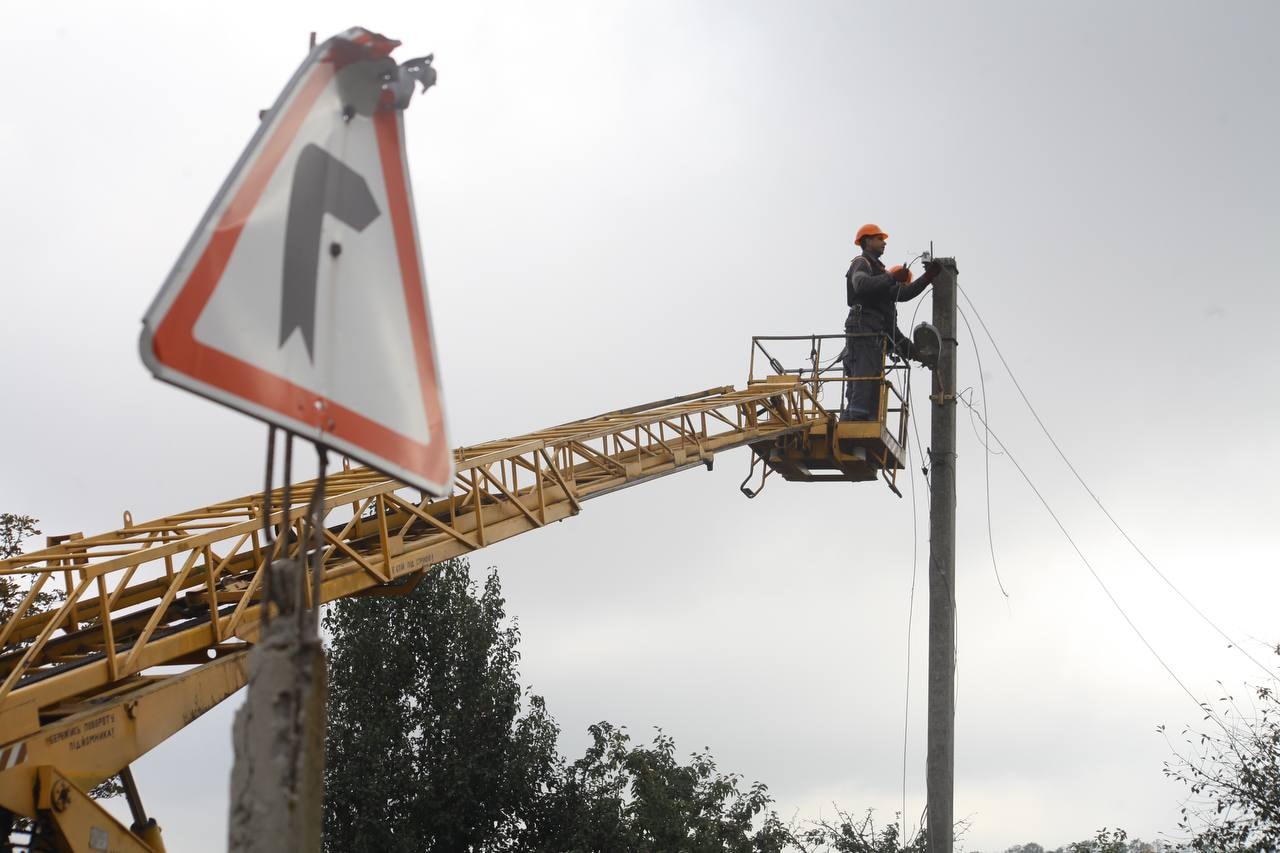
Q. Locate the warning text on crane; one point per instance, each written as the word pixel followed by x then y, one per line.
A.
pixel 301 298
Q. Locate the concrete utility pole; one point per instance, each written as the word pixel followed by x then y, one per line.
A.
pixel 940 766
pixel 277 782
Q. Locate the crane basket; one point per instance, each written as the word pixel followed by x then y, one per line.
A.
pixel 831 449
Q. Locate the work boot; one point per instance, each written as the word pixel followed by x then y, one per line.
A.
pixel 926 344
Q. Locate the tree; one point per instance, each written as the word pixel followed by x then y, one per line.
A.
pixel 1233 774
pixel 1105 841
pixel 433 746
pixel 637 798
pixel 851 834
pixel 14 529
pixel 430 746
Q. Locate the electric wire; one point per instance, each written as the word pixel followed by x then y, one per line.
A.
pixel 924 453
pixel 1231 643
pixel 919 301
pixel 1098 578
pixel 915 425
pixel 986 456
pixel 973 425
pixel 955 623
pixel 911 609
pixel 915 563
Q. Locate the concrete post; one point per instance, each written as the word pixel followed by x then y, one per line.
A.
pixel 277 782
pixel 940 762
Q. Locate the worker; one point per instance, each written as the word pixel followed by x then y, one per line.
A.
pixel 873 293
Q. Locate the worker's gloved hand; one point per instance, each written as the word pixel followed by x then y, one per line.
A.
pixel 901 274
pixel 932 269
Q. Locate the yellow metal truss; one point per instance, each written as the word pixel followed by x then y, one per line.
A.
pixel 154 620
pixel 79 689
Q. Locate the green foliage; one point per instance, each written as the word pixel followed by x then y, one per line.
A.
pixel 1233 774
pixel 14 529
pixel 638 798
pixel 430 747
pixel 433 747
pixel 850 834
pixel 1106 841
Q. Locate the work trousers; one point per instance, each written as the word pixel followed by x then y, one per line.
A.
pixel 864 346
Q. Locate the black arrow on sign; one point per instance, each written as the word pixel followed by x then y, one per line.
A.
pixel 321 184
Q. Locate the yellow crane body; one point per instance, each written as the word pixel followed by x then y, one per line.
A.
pixel 81 695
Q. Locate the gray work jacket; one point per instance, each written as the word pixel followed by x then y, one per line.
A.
pixel 873 293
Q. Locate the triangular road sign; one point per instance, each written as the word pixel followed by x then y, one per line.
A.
pixel 301 297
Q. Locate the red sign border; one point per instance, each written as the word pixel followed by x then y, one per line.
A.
pixel 174 348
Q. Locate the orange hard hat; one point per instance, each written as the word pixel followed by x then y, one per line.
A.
pixel 870 230
pixel 893 269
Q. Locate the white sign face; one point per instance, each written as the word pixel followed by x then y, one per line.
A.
pixel 301 298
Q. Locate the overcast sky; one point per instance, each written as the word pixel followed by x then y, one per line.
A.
pixel 613 197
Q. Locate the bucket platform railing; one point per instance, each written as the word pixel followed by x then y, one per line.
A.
pixel 833 449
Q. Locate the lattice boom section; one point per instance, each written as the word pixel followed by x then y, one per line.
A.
pixel 185 588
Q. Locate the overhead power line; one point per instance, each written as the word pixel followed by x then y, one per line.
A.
pixel 911 609
pixel 986 456
pixel 1124 533
pixel 1114 601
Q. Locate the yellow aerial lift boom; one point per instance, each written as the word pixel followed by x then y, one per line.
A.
pixel 82 694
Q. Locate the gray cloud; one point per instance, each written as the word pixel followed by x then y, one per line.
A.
pixel 612 199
